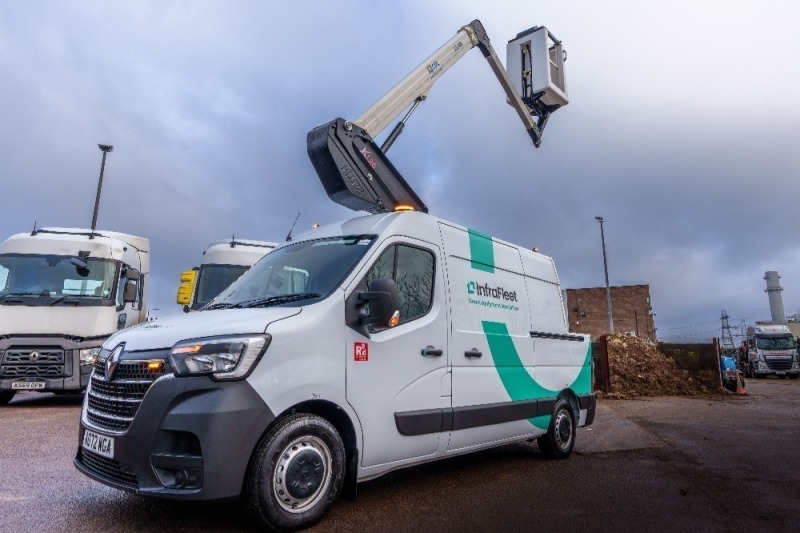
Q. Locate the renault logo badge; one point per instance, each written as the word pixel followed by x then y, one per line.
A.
pixel 34 356
pixel 113 361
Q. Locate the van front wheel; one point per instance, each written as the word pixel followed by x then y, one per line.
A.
pixel 296 473
pixel 559 440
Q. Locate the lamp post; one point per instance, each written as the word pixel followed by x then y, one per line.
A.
pixel 105 148
pixel 605 267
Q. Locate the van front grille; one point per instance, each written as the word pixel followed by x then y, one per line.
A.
pixel 112 401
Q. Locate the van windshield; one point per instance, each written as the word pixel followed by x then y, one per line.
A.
pixel 295 275
pixel 35 279
pixel 775 343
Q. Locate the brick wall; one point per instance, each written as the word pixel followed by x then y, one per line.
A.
pixel 587 311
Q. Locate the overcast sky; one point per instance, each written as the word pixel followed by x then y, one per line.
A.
pixel 682 131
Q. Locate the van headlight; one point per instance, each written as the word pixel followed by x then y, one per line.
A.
pixel 89 355
pixel 222 358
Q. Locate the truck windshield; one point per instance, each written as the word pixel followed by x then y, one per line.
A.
pixel 47 278
pixel 298 274
pixel 213 279
pixel 775 343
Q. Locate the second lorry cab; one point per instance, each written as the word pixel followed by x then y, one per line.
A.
pixel 63 291
pixel 770 350
pixel 366 346
pixel 223 262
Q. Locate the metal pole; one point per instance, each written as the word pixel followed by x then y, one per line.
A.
pixel 605 267
pixel 105 149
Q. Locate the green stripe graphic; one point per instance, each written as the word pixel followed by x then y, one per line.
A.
pixel 515 377
pixel 481 251
pixel 518 383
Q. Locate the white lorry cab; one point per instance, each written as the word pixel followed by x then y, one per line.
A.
pixel 366 346
pixel 63 291
pixel 770 350
pixel 223 262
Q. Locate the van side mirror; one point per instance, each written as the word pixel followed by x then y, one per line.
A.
pixel 130 292
pixel 188 279
pixel 384 304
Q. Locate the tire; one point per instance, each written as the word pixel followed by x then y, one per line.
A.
pixel 559 440
pixel 296 473
pixel 793 376
pixel 6 395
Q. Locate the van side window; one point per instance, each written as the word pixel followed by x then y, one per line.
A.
pixel 412 270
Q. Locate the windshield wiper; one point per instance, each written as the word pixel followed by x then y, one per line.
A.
pixel 217 306
pixel 10 295
pixel 277 300
pixel 67 299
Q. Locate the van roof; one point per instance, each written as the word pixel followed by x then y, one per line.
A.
pixel 413 224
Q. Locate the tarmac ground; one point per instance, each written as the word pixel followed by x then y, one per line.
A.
pixel 716 463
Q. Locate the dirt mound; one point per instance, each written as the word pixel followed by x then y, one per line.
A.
pixel 640 369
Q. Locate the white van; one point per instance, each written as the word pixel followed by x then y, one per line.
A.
pixel 369 345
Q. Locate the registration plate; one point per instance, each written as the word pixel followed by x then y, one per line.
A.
pixel 27 385
pixel 99 444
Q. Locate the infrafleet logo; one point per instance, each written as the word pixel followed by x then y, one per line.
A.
pixel 498 293
pixel 501 298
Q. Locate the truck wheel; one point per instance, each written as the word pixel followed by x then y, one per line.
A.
pixel 296 472
pixel 559 440
pixel 793 376
pixel 6 395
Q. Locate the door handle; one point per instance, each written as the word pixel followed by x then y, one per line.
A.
pixel 473 353
pixel 430 350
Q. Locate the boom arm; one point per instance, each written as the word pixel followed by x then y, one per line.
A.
pixel 415 87
pixel 357 174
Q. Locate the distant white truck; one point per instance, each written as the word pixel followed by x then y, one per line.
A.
pixel 223 262
pixel 63 291
pixel 770 350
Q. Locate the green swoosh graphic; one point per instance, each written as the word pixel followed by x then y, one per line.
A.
pixel 481 251
pixel 515 378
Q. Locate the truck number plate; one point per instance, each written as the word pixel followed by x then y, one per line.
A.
pixel 99 444
pixel 27 385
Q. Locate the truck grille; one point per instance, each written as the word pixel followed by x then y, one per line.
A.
pixel 34 355
pixel 112 404
pixel 108 469
pixel 33 362
pixel 32 371
pixel 780 365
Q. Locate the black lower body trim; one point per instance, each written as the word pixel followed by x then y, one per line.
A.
pixel 588 402
pixel 442 420
pixel 427 421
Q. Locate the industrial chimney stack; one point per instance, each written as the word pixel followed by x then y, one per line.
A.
pixel 775 299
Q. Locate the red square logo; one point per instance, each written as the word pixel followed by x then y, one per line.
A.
pixel 360 351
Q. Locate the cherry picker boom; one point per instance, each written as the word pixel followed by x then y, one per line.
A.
pixel 356 173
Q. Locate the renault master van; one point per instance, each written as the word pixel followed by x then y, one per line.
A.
pixel 366 346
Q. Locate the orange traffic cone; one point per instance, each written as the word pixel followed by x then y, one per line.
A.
pixel 740 384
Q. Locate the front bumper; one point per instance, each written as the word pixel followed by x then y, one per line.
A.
pixel 191 439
